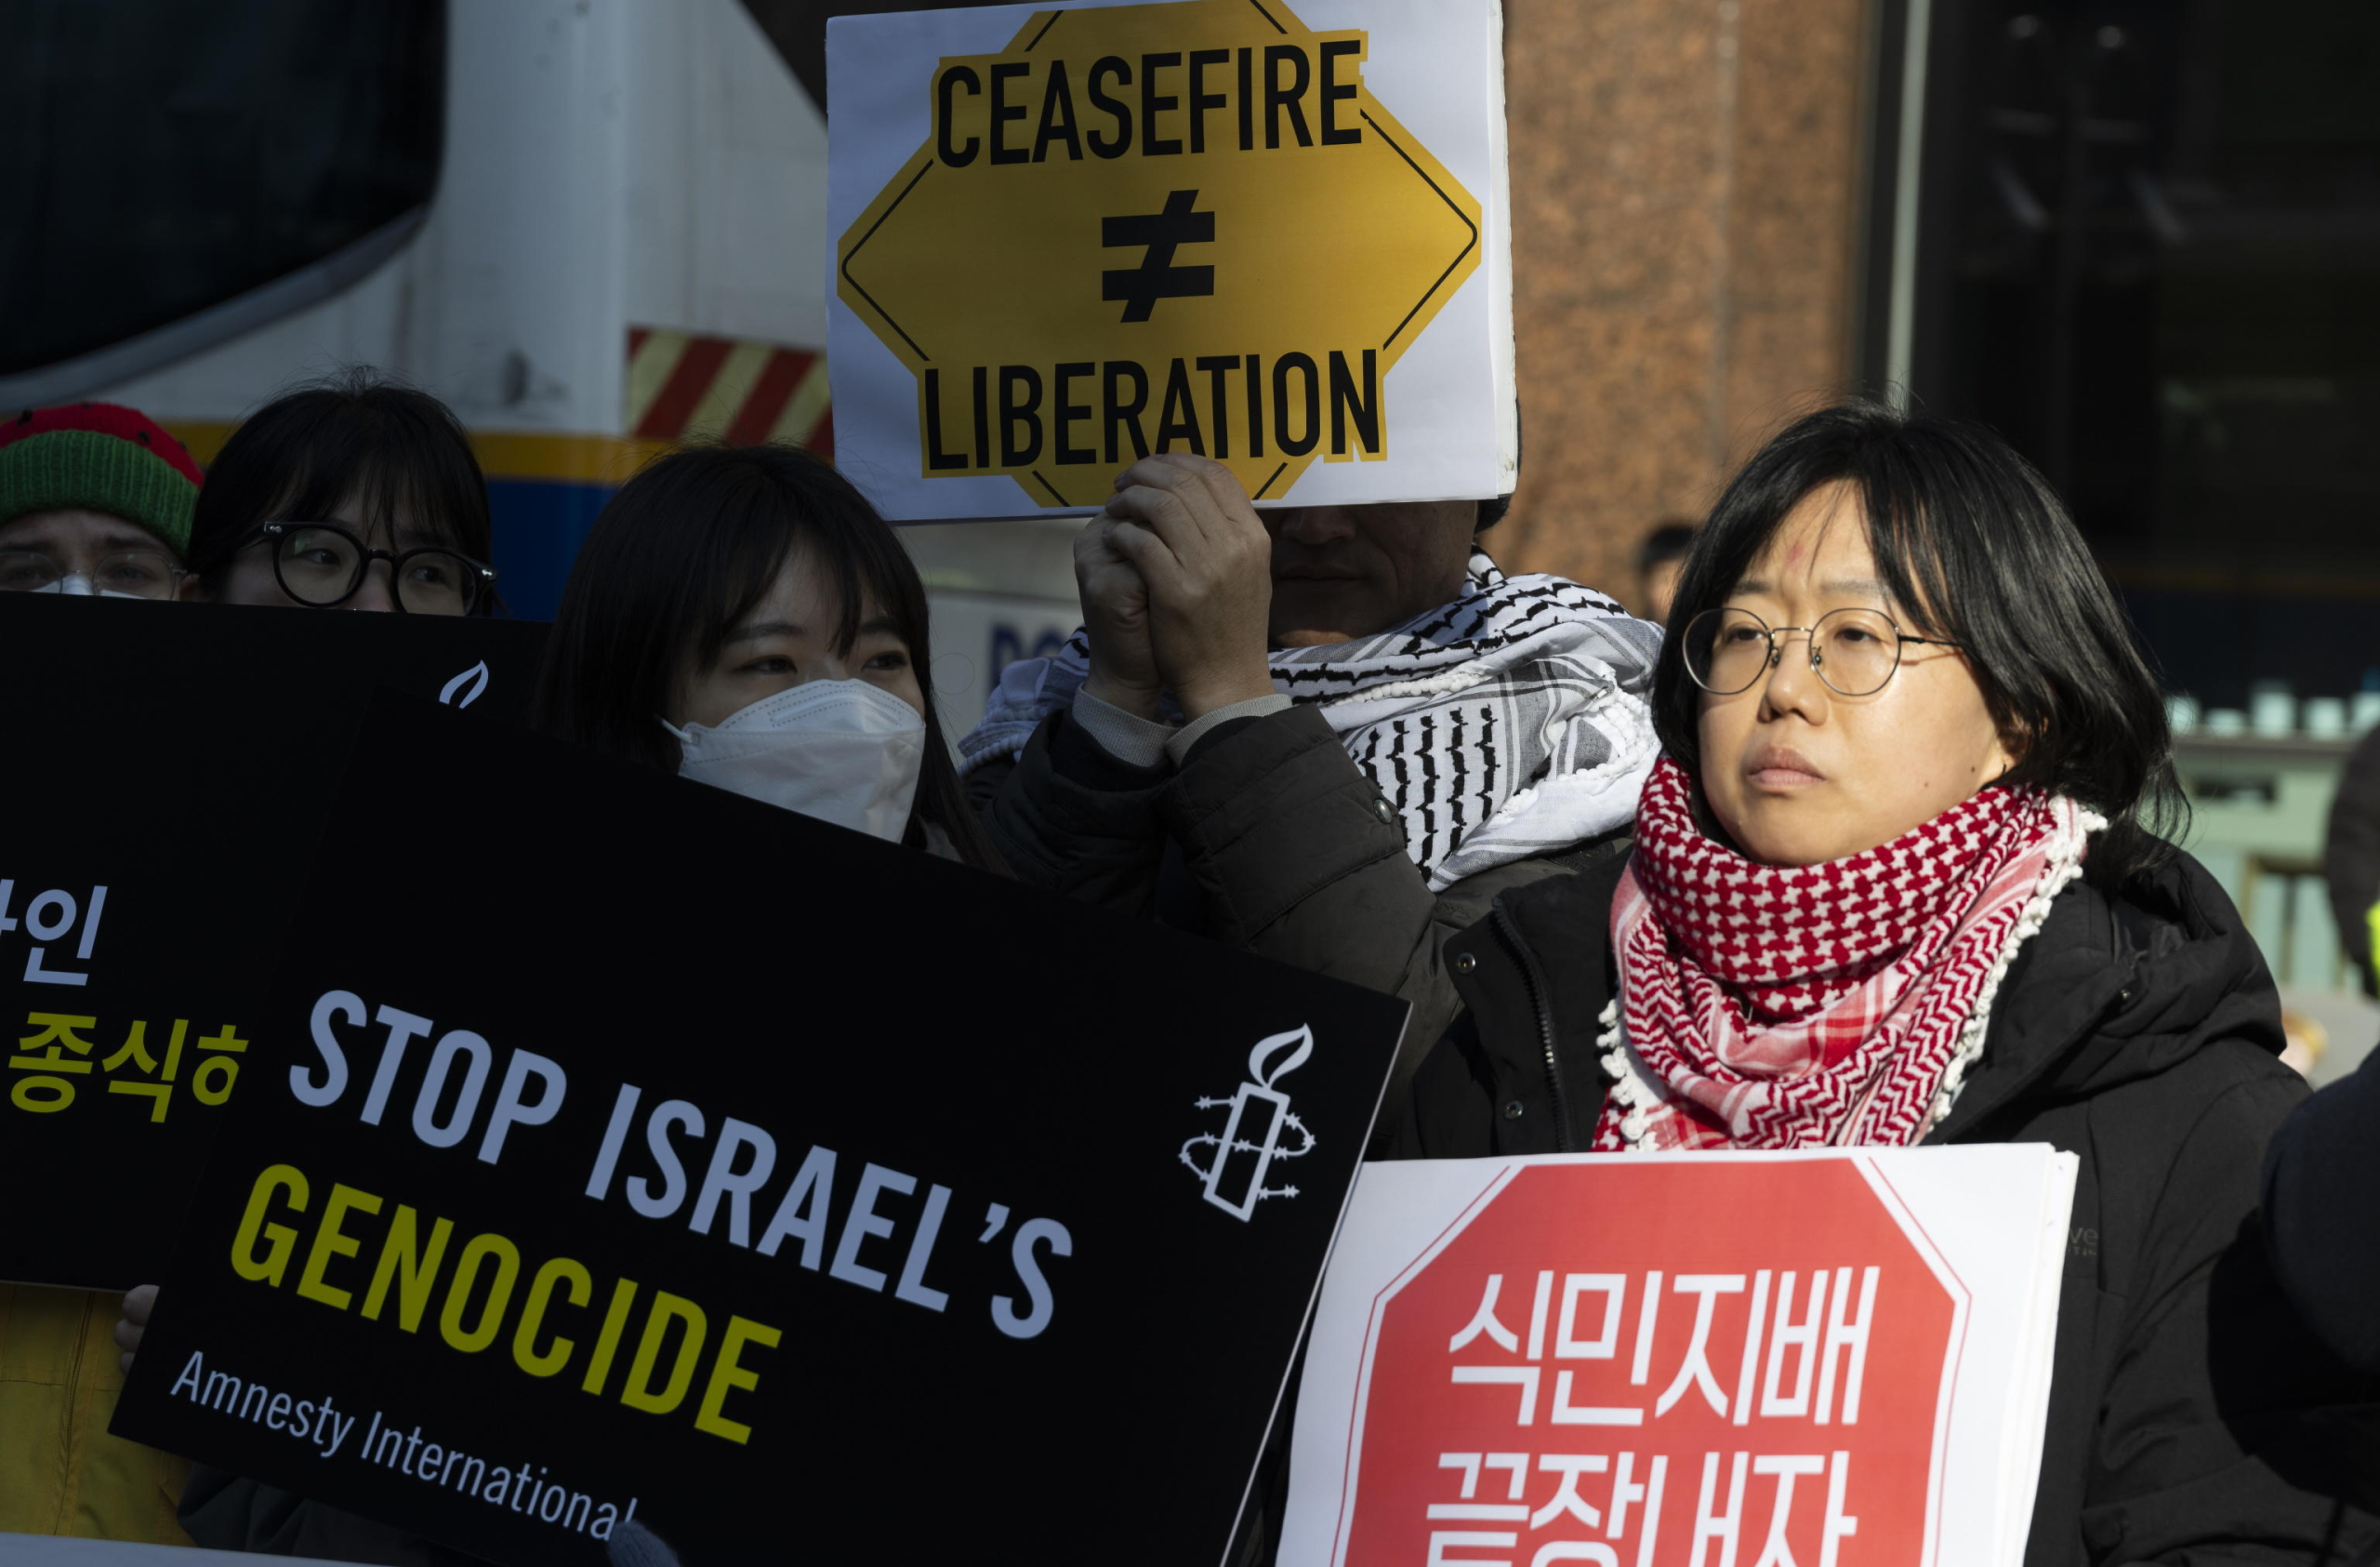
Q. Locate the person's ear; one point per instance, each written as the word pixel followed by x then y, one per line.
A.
pixel 2016 739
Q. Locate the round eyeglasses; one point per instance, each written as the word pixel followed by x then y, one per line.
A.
pixel 323 563
pixel 1855 651
pixel 139 573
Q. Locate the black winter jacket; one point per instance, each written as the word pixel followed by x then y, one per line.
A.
pixel 229 1511
pixel 2323 1201
pixel 2352 855
pixel 2193 1418
pixel 1267 838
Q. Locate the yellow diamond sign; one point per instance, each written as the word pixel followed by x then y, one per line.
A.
pixel 1185 226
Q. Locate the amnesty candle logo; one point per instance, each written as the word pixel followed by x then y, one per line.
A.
pixel 1185 226
pixel 1260 1118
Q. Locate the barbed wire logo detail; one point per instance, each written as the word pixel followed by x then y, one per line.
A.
pixel 1257 1105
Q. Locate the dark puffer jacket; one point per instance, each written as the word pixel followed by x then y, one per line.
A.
pixel 1267 839
pixel 2351 856
pixel 2323 1203
pixel 2193 1419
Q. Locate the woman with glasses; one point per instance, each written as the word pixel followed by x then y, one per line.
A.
pixel 354 494
pixel 1897 881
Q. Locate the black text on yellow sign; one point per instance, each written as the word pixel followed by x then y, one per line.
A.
pixel 1172 227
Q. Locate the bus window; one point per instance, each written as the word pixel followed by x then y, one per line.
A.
pixel 159 158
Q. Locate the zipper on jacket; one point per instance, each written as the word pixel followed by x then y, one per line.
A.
pixel 1535 983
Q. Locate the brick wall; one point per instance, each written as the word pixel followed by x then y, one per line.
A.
pixel 1685 194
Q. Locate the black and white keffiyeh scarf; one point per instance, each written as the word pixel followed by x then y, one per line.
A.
pixel 1509 724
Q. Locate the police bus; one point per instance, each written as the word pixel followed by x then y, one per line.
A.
pixel 594 228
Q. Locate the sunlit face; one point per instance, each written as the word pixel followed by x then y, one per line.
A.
pixel 1796 773
pixel 1343 572
pixel 110 554
pixel 788 640
pixel 250 579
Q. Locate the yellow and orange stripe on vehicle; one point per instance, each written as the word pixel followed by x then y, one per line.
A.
pixel 681 386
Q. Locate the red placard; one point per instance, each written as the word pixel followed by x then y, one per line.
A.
pixel 1693 1378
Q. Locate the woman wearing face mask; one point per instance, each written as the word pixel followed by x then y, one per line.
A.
pixel 741 617
pixel 1897 663
pixel 358 493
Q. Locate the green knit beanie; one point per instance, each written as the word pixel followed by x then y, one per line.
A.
pixel 98 457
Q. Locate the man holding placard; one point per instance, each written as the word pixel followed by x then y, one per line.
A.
pixel 1246 256
pixel 1355 683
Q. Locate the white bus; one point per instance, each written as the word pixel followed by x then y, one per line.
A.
pixel 592 226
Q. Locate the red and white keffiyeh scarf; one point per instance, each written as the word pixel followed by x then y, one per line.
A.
pixel 1822 1006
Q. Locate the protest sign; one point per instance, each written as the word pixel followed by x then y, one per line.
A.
pixel 1270 232
pixel 1835 1359
pixel 173 766
pixel 804 1195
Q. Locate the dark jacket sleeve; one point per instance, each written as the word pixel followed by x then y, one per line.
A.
pixel 2323 1214
pixel 2352 855
pixel 1298 856
pixel 2225 1435
pixel 1072 819
pixel 229 1512
pixel 1294 853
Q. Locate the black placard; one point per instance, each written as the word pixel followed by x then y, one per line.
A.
pixel 1008 1312
pixel 183 757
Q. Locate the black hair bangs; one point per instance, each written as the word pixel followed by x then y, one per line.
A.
pixel 396 454
pixel 683 555
pixel 758 524
pixel 403 489
pixel 1971 545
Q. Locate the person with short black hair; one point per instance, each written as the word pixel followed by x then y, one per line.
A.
pixel 357 492
pixel 1330 735
pixel 1659 561
pixel 1899 667
pixel 741 615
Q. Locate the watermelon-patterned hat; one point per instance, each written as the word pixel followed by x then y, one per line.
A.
pixel 98 457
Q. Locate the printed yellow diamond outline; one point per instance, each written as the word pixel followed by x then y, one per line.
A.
pixel 1424 164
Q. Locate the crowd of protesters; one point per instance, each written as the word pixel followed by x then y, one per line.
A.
pixel 1599 859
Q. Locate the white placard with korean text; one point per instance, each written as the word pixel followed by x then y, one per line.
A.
pixel 1829 1358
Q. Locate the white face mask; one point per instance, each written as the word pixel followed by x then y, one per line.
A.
pixel 841 751
pixel 76 584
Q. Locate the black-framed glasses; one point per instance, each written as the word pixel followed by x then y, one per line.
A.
pixel 323 564
pixel 140 574
pixel 1855 651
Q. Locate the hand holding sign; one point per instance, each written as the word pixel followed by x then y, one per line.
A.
pixel 1186 525
pixel 137 1303
pixel 1115 622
